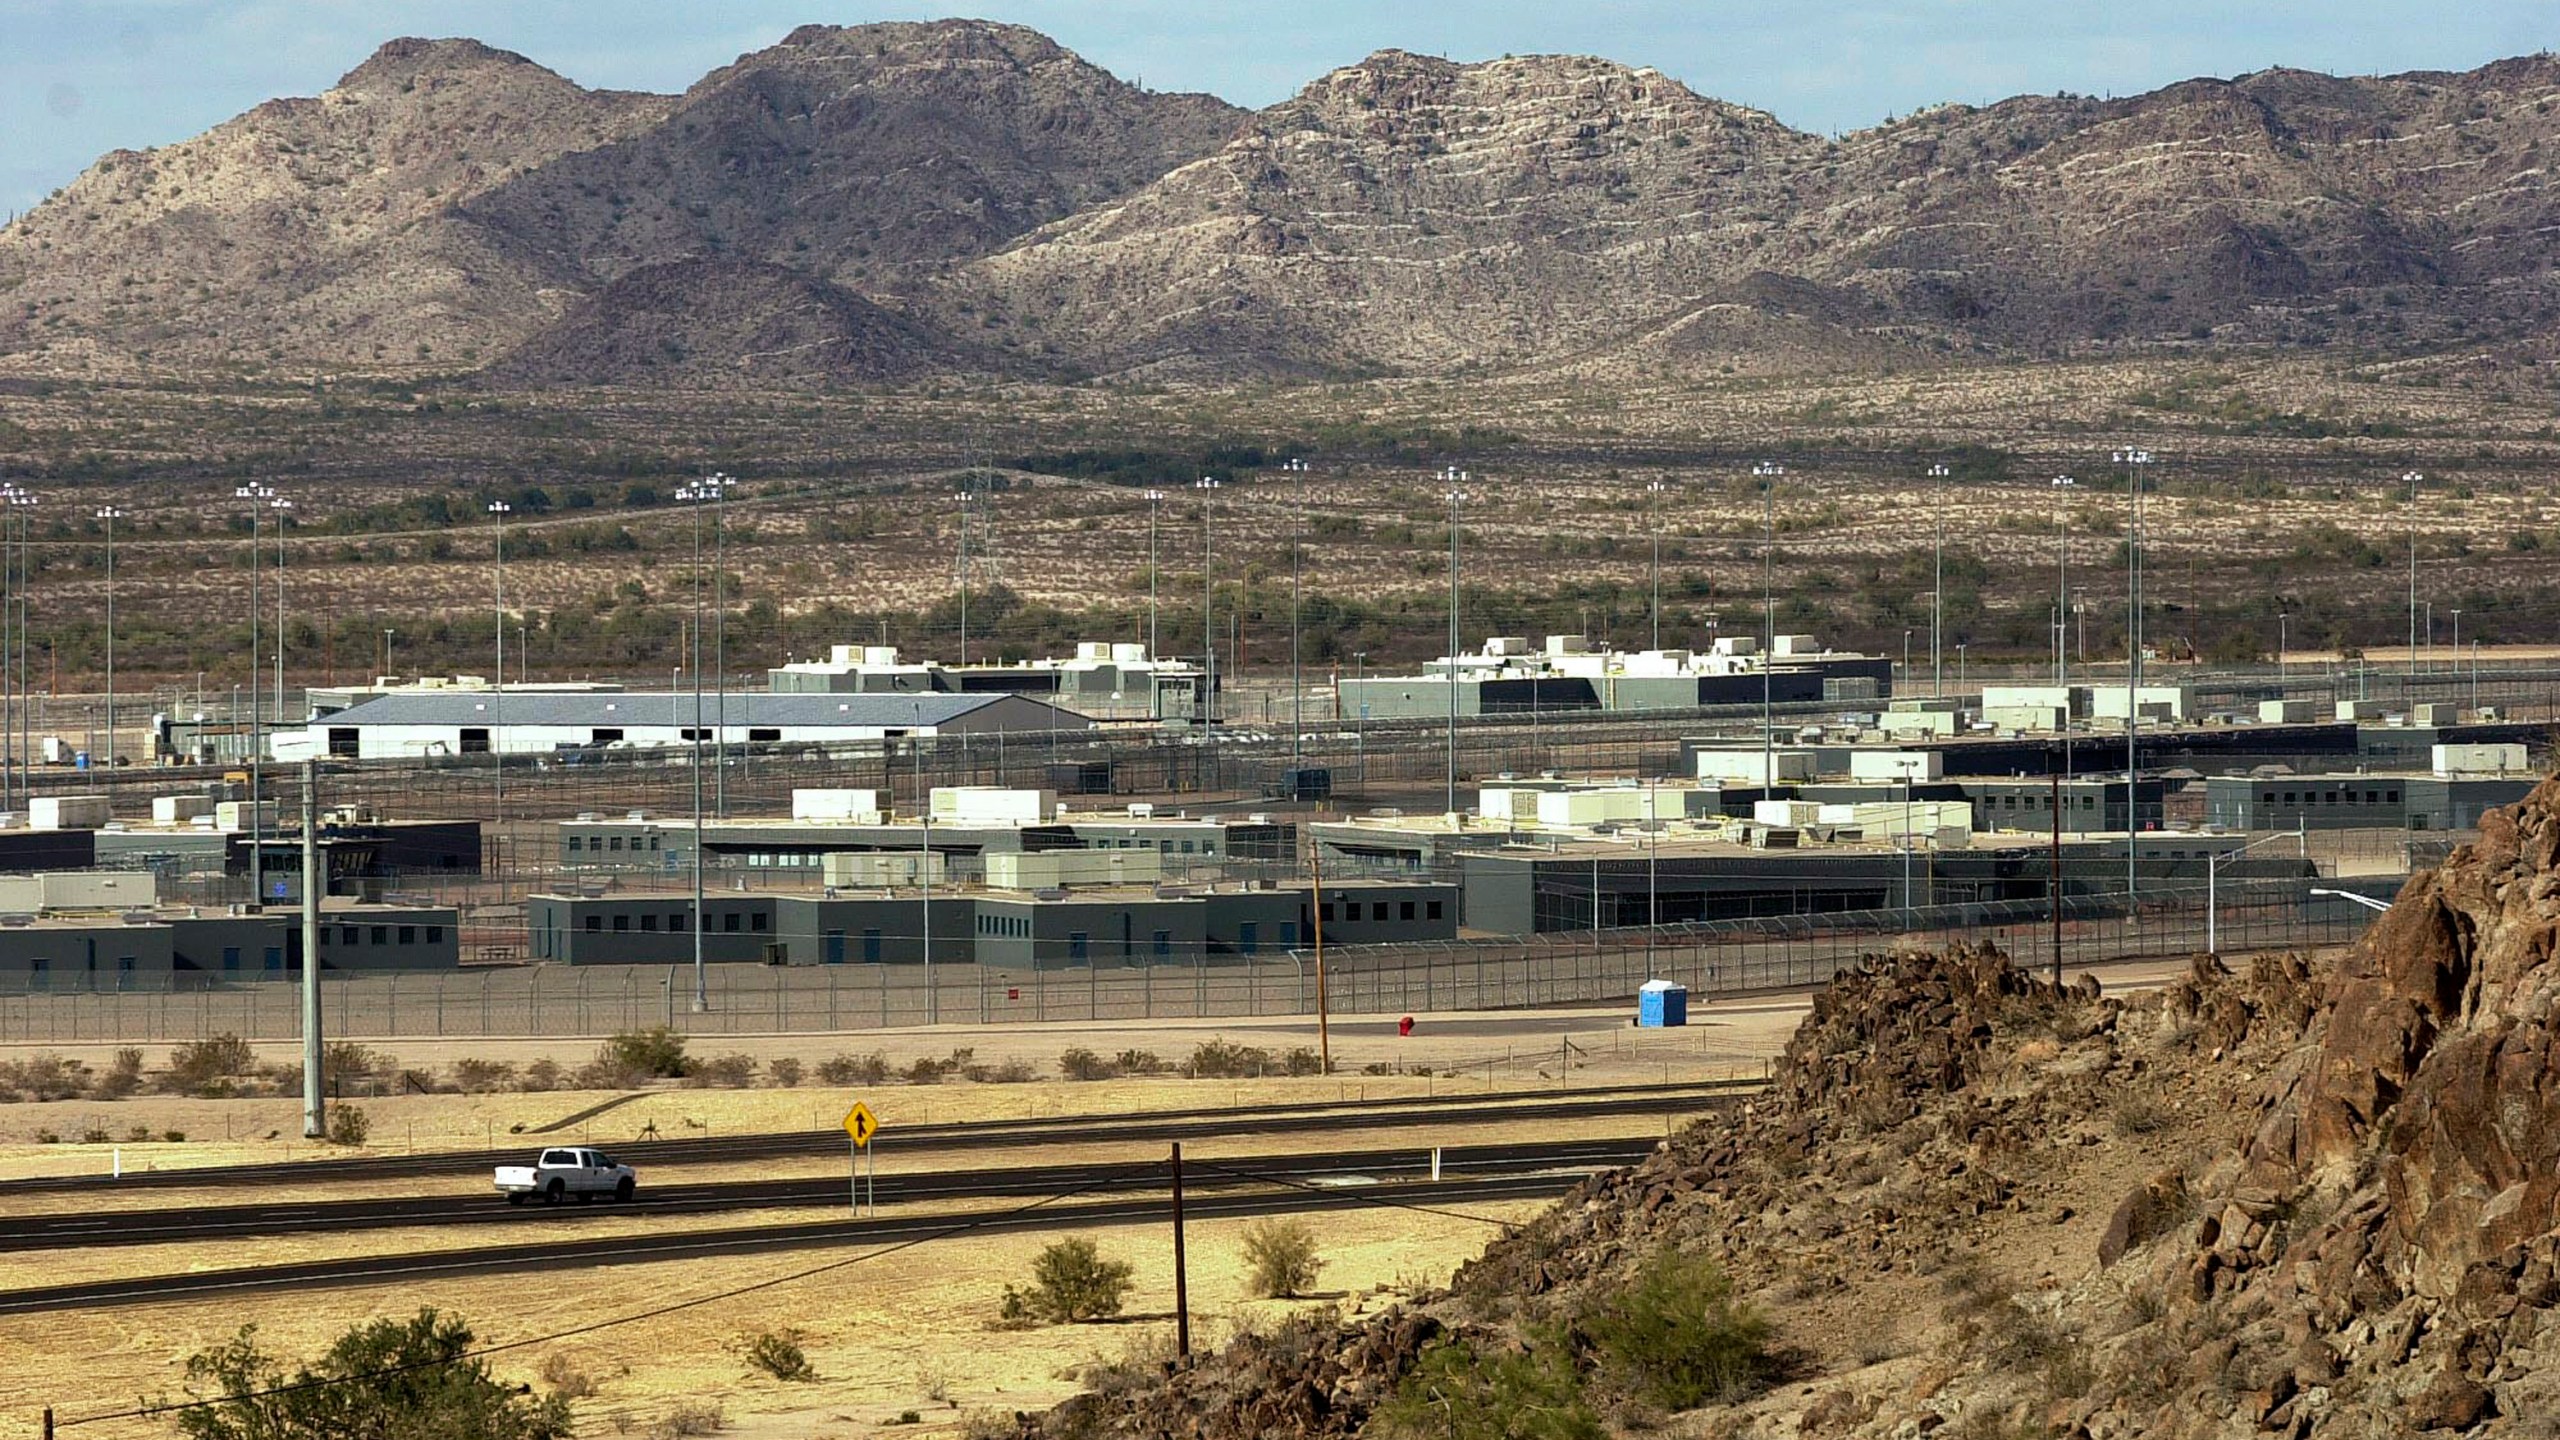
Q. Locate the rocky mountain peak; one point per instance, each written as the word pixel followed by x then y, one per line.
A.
pixel 398 66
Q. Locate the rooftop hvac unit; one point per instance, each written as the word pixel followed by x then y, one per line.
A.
pixel 1052 893
pixel 17 922
pixel 139 917
pixel 1141 810
pixel 637 816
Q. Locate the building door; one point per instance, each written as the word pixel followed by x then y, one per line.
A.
pixel 870 947
pixel 835 947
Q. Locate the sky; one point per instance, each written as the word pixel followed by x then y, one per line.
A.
pixel 82 77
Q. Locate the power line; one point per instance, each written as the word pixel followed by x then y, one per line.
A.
pixel 961 1227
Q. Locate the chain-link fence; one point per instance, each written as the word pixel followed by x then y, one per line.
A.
pixel 1711 958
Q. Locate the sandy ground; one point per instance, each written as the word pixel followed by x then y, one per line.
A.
pixel 886 1335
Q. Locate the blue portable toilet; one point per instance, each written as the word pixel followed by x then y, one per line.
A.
pixel 1662 1003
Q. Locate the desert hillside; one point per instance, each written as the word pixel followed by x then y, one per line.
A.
pixel 2312 1199
pixel 1017 211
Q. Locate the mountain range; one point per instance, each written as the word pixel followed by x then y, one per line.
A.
pixel 884 203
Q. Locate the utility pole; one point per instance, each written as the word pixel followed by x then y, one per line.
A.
pixel 1938 596
pixel 314 1119
pixel 1181 1270
pixel 256 495
pixel 1455 496
pixel 2135 463
pixel 1768 474
pixel 1324 1027
pixel 110 514
pixel 2053 878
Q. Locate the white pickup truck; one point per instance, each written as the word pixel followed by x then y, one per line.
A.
pixel 559 1174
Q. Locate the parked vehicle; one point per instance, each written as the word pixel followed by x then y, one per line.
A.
pixel 558 1174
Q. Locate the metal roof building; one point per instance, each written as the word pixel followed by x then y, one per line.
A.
pixel 406 726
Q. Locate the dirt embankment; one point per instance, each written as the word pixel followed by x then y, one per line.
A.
pixel 2319 1197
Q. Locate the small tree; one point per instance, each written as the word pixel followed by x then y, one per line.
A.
pixel 1457 1391
pixel 1070 1282
pixel 396 1379
pixel 1679 1337
pixel 1280 1258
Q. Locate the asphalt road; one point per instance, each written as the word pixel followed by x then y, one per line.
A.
pixel 1529 1172
pixel 1168 1125
pixel 483 1207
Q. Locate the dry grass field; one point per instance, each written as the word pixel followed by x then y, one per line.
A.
pixel 2276 487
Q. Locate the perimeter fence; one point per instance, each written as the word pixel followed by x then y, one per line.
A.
pixel 1714 958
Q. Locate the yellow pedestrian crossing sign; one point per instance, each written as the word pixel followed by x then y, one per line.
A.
pixel 859 1124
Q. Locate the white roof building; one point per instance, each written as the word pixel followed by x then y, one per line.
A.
pixel 409 726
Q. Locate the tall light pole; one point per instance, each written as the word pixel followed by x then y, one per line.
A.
pixel 498 512
pixel 1155 512
pixel 924 872
pixel 110 514
pixel 10 699
pixel 1297 565
pixel 1653 522
pixel 1455 497
pixel 2135 463
pixel 1768 474
pixel 1938 577
pixel 2457 638
pixel 1207 485
pixel 961 498
pixel 694 495
pixel 2062 587
pixel 282 507
pixel 2413 479
pixel 720 485
pixel 256 496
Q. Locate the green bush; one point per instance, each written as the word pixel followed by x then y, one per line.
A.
pixel 853 1070
pixel 1280 1258
pixel 723 1072
pixel 1457 1391
pixel 656 1052
pixel 1223 1060
pixel 210 1064
pixel 1678 1337
pixel 1079 1063
pixel 397 1379
pixel 785 1072
pixel 777 1353
pixel 348 1125
pixel 1070 1282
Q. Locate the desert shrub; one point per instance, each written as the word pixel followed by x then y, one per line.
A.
pixel 1301 1060
pixel 94 1133
pixel 348 1125
pixel 1079 1063
pixel 1140 1062
pixel 210 1065
pixel 543 1075
pixel 1070 1282
pixel 1223 1060
pixel 479 1077
pixel 925 1070
pixel 853 1070
pixel 344 1060
pixel 123 1077
pixel 41 1077
pixel 778 1354
pixel 138 1135
pixel 1001 1072
pixel 724 1072
pixel 386 1377
pixel 785 1072
pixel 1679 1337
pixel 692 1417
pixel 657 1052
pixel 173 1137
pixel 1458 1391
pixel 1280 1258
pixel 563 1378
pixel 609 1072
pixel 2141 1109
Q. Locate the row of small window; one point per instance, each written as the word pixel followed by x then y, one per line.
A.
pixel 2330 797
pixel 603 844
pixel 730 923
pixel 2036 802
pixel 1350 912
pixel 1160 846
pixel 349 935
pixel 40 973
